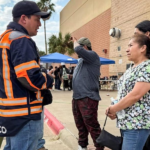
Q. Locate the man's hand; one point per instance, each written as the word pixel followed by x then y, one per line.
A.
pixel 73 39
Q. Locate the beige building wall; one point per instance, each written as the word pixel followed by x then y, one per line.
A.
pixel 125 14
pixel 97 31
pixel 79 12
pixel 91 19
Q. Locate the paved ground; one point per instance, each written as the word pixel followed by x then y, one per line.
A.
pixel 61 108
pixel 52 141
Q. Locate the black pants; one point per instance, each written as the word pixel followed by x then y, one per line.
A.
pixel 56 83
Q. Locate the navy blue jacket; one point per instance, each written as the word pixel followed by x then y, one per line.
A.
pixel 21 80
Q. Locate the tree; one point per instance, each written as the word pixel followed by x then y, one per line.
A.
pixel 46 6
pixel 42 53
pixel 60 44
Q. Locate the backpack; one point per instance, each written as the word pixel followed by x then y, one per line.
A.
pixel 64 74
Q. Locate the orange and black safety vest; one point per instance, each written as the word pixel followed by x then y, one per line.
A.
pixel 20 81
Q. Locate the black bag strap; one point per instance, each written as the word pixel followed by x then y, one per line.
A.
pixel 105 119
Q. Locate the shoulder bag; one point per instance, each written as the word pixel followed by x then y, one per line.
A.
pixel 109 140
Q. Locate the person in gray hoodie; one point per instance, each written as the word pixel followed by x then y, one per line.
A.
pixel 86 93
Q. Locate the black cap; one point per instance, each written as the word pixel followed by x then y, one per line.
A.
pixel 28 8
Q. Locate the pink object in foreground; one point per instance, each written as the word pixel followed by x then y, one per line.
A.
pixel 52 122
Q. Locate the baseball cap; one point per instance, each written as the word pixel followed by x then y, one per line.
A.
pixel 84 41
pixel 28 8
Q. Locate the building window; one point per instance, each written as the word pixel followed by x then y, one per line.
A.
pixel 119 48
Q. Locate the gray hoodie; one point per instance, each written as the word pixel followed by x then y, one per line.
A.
pixel 86 75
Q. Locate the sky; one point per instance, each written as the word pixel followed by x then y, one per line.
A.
pixel 52 25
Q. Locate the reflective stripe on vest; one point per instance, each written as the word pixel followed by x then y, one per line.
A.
pixel 1 36
pixel 21 72
pixel 36 109
pixel 39 98
pixel 14 112
pixel 6 75
pixel 37 101
pixel 5 40
pixel 8 36
pixel 44 86
pixel 26 66
pixel 13 102
pixel 4 44
pixel 38 94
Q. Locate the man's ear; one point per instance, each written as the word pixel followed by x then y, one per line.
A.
pixel 22 19
pixel 85 47
pixel 147 33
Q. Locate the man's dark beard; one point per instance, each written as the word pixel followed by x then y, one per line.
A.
pixel 79 56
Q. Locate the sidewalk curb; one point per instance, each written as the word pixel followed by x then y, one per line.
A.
pixel 58 129
pixel 68 139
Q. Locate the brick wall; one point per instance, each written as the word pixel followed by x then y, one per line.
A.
pixel 97 31
pixel 125 14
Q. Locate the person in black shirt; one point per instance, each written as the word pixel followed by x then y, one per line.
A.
pixel 70 77
pixel 56 77
pixel 59 72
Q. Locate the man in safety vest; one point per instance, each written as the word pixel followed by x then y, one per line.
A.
pixel 21 80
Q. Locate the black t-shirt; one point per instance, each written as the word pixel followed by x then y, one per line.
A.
pixel 56 72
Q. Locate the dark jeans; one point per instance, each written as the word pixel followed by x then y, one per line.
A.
pixel 70 84
pixel 57 83
pixel 65 84
pixel 85 115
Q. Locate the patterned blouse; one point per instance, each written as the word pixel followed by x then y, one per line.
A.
pixel 137 116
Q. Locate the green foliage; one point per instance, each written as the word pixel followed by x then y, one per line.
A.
pixel 60 44
pixel 46 6
pixel 42 53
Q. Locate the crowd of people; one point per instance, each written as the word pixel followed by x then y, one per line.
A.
pixel 24 88
pixel 62 75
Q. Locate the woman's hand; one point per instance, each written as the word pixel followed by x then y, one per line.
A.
pixel 111 113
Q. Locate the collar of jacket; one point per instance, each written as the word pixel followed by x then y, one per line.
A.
pixel 17 27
